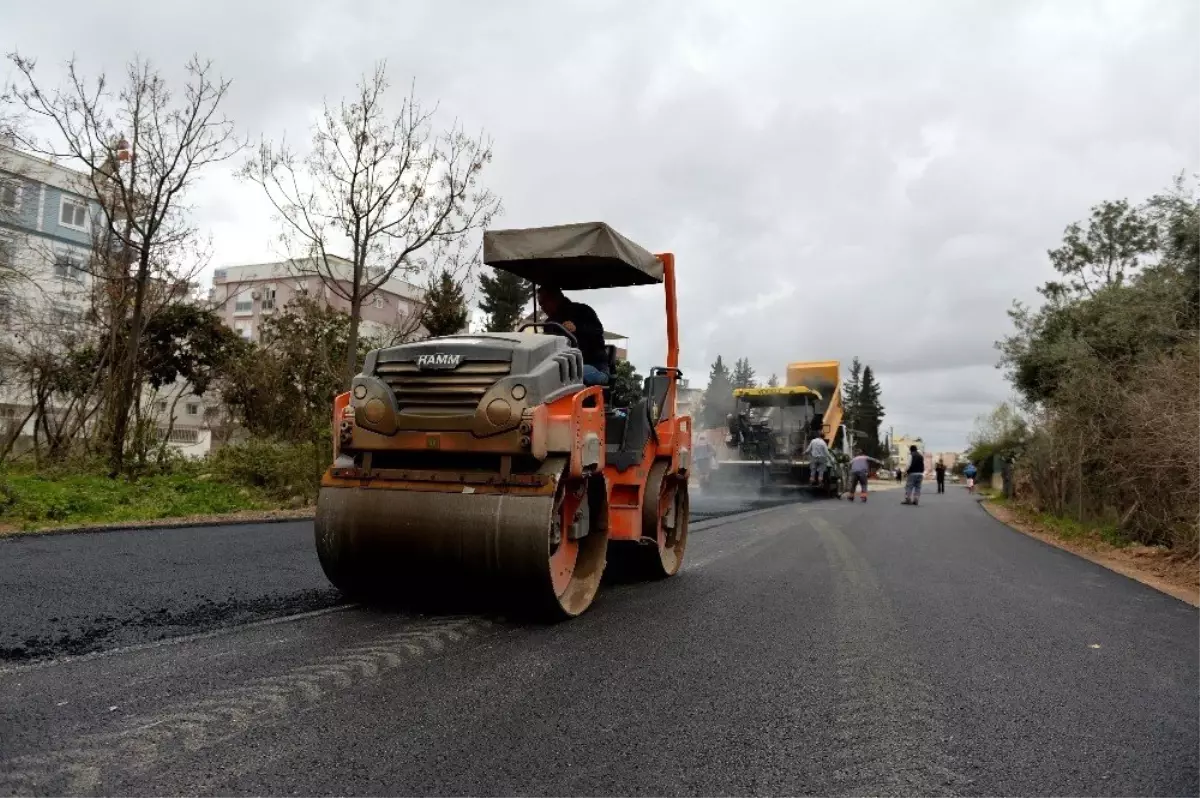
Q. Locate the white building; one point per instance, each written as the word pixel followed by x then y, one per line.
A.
pixel 687 398
pixel 245 296
pixel 49 217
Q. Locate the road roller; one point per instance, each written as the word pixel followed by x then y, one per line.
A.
pixel 481 463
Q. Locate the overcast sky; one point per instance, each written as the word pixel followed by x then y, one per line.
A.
pixel 836 179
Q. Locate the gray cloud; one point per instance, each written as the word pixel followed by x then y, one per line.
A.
pixel 871 179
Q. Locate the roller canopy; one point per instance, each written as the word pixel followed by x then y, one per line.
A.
pixel 572 257
pixel 782 396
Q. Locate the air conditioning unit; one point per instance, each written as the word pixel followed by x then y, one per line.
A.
pixel 256 295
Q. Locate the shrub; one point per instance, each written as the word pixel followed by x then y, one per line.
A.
pixel 1122 453
pixel 289 472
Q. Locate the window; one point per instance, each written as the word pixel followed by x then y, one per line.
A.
pixel 68 266
pixel 10 195
pixel 162 406
pixel 73 214
pixel 181 435
pixel 243 305
pixel 8 250
pixel 268 298
pixel 243 329
pixel 64 317
pixel 193 409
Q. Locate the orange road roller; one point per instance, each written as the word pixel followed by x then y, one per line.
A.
pixel 482 463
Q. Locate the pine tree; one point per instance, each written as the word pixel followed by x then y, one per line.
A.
pixel 743 374
pixel 718 396
pixel 505 297
pixel 445 311
pixel 870 411
pixel 851 395
pixel 773 382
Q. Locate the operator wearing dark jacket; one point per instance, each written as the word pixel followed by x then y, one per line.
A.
pixel 582 322
pixel 916 472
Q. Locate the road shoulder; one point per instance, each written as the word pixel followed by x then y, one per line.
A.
pixel 243 517
pixel 1144 564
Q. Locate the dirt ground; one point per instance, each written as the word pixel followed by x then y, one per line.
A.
pixel 1150 565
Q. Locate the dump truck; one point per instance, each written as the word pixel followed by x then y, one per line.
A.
pixel 481 463
pixel 765 445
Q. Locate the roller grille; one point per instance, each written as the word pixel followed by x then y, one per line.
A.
pixel 455 392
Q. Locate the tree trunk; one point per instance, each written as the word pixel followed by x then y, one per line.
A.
pixel 116 461
pixel 14 435
pixel 352 340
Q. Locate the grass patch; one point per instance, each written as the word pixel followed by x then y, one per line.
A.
pixel 1067 529
pixel 1070 529
pixel 30 500
pixel 251 476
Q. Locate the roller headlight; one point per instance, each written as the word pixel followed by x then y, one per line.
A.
pixel 499 411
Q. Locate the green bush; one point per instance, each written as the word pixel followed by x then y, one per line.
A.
pixel 255 475
pixel 289 472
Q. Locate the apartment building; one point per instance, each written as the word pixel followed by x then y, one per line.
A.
pixel 49 219
pixel 246 296
pixel 900 450
pixel 950 459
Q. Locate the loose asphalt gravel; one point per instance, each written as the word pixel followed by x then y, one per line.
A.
pixel 817 648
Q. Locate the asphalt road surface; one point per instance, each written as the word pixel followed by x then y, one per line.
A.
pixel 75 594
pixel 817 648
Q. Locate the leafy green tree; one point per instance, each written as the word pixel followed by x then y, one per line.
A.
pixel 718 396
pixel 1176 214
pixel 626 385
pixel 743 374
pixel 189 343
pixel 773 381
pixel 1110 311
pixel 284 386
pixel 505 298
pixel 445 310
pixel 1116 241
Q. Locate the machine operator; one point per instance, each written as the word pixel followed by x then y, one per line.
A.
pixel 582 322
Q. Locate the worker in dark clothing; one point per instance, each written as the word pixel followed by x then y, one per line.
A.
pixel 939 471
pixel 582 322
pixel 916 473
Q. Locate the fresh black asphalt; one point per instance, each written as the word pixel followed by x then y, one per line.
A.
pixel 79 593
pixel 822 648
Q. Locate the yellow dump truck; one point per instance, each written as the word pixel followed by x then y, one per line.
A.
pixel 767 440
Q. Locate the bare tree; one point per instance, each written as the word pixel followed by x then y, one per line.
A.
pixel 141 181
pixel 395 194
